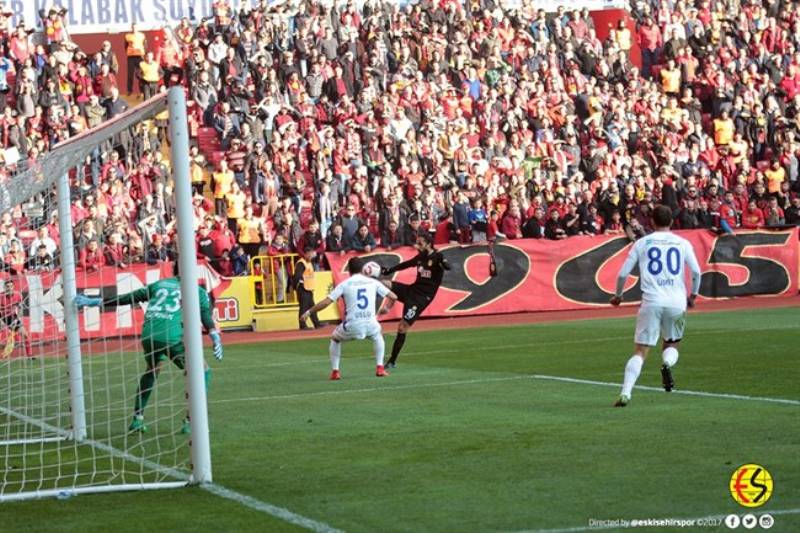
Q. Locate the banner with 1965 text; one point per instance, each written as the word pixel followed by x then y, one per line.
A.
pixel 581 272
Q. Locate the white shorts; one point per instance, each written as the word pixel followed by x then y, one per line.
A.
pixel 352 332
pixel 653 320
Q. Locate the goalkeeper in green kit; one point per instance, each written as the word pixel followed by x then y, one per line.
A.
pixel 162 334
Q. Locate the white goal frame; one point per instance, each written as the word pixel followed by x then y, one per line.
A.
pixel 64 156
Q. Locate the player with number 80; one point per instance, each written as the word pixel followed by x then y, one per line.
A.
pixel 660 257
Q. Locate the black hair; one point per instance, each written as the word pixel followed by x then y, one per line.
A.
pixel 662 216
pixel 354 265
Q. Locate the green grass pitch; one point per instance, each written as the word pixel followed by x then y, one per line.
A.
pixel 470 434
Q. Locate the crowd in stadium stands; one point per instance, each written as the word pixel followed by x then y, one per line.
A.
pixel 345 128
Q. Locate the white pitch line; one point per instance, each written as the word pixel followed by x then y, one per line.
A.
pixel 369 389
pixel 280 513
pixel 576 529
pixel 676 391
pixel 534 344
pixel 543 377
pixel 264 507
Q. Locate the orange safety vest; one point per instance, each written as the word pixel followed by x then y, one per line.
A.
pixel 134 44
pixel 308 275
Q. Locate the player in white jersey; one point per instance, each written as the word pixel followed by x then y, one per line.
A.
pixel 359 322
pixel 661 257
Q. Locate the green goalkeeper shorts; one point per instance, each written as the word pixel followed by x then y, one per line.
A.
pixel 157 351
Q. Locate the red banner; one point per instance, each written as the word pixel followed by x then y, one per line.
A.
pixel 43 307
pixel 581 272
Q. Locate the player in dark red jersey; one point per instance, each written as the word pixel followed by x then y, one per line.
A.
pixel 11 318
pixel 430 265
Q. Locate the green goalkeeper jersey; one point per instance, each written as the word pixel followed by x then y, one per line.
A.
pixel 163 322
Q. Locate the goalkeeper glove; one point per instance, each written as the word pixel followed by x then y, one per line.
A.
pixel 82 300
pixel 217 340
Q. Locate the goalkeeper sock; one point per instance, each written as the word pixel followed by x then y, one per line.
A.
pixel 670 356
pixel 632 371
pixel 397 346
pixel 143 394
pixel 28 347
pixel 380 348
pixel 335 351
pixel 207 376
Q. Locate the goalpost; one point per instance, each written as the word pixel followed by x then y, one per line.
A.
pixel 68 378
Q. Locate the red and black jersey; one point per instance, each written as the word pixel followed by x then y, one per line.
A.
pixel 430 271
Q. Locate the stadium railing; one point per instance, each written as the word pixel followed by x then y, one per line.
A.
pixel 271 275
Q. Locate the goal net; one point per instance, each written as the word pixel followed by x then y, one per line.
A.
pixel 98 216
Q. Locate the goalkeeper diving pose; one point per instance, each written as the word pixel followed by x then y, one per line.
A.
pixel 162 334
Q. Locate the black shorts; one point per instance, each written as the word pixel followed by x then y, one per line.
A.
pixel 12 322
pixel 414 302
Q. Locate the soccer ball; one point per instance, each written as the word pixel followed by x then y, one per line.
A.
pixel 371 269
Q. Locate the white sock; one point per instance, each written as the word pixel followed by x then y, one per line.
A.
pixel 335 350
pixel 670 356
pixel 380 347
pixel 632 370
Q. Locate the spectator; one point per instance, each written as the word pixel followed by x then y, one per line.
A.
pixel 478 220
pixel 572 221
pixel 792 213
pixel 279 266
pixel 554 227
pixel 614 226
pixel 223 183
pixel 235 201
pixel 14 258
pixel 335 241
pixel 512 223
pixel 157 252
pixel 445 230
pixel 240 261
pixel 350 223
pixel 752 216
pixel 135 46
pixel 43 238
pixel 41 260
pixel 205 243
pixel 362 241
pixel 534 227
pixel 728 219
pixel 249 231
pixel 114 251
pixel 774 215
pixel 150 75
pixel 91 259
pixel 312 238
pixel 392 237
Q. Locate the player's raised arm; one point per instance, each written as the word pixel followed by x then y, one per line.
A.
pixel 139 295
pixel 627 268
pixel 414 261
